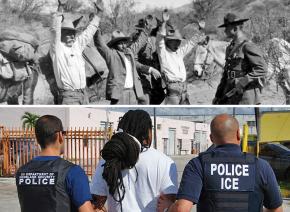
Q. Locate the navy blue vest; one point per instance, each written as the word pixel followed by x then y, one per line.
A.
pixel 41 186
pixel 229 183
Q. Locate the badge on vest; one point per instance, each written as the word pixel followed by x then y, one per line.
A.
pixel 37 179
pixel 229 176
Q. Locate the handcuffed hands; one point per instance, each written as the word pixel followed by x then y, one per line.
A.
pixel 163 203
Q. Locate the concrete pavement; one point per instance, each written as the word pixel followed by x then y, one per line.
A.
pixel 9 200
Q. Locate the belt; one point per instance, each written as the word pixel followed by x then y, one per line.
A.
pixel 75 90
pixel 128 89
pixel 172 82
pixel 235 74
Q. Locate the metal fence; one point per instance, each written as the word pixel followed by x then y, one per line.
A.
pixel 82 147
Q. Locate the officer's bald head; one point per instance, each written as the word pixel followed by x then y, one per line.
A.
pixel 225 129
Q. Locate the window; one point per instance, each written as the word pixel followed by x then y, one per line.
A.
pixel 197 136
pixel 251 123
pixel 104 125
pixel 158 126
pixel 185 130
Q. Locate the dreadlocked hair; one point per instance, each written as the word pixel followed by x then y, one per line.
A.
pixel 137 123
pixel 121 152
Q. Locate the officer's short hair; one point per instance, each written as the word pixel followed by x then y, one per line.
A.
pixel 46 128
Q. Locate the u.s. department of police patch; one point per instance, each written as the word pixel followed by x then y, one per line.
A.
pixel 36 179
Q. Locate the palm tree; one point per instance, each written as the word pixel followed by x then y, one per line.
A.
pixel 29 120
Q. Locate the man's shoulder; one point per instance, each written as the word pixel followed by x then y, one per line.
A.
pixel 263 164
pixel 249 46
pixel 68 163
pixel 75 172
pixel 156 155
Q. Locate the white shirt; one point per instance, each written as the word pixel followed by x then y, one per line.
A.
pixel 172 64
pixel 68 62
pixel 157 174
pixel 129 73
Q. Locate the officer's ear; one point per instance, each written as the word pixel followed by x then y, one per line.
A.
pixel 211 138
pixel 238 135
pixel 61 137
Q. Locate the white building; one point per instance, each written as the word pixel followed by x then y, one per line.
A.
pixel 174 137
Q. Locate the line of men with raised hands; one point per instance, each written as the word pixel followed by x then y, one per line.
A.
pixel 135 66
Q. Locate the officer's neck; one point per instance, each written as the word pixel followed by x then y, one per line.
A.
pixel 50 151
pixel 239 37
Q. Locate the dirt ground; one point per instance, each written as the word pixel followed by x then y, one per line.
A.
pixel 200 93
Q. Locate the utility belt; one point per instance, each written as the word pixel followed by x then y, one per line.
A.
pixel 235 74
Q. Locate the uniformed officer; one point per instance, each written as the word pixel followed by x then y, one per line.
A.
pixel 224 178
pixel 49 183
pixel 245 69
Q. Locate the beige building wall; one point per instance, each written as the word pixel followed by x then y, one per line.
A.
pixel 184 130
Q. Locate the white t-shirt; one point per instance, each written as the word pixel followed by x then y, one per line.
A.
pixel 157 174
pixel 129 74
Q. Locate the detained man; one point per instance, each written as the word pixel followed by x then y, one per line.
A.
pixel 66 54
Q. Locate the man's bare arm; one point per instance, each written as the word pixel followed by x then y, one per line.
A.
pixel 181 205
pixel 280 209
pixel 86 207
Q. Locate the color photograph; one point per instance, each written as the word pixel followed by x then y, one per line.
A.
pixel 130 159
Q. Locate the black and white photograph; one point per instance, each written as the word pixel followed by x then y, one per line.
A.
pixel 130 52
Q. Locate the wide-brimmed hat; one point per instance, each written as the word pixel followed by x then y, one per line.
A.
pixel 173 34
pixel 232 19
pixel 70 24
pixel 118 36
pixel 141 24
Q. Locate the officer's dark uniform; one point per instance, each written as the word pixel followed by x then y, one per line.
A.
pixel 224 179
pixel 245 66
pixel 229 183
pixel 41 186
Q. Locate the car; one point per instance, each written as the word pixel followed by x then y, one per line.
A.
pixel 278 157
